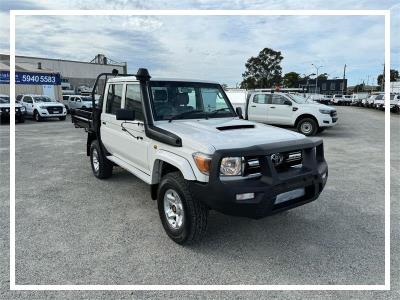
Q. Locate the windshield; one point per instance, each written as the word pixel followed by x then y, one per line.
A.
pixel 42 99
pixel 297 98
pixel 4 99
pixel 187 100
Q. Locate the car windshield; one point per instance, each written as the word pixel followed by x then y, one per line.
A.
pixel 4 99
pixel 188 100
pixel 297 98
pixel 42 99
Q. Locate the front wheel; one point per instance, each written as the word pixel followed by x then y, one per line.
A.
pixel 21 119
pixel 62 118
pixel 37 117
pixel 101 166
pixel 183 217
pixel 307 126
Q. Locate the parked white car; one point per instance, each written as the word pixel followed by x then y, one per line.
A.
pixel 369 101
pixel 379 101
pixel 5 110
pixel 395 102
pixel 286 109
pixel 77 101
pixel 41 107
pixel 338 99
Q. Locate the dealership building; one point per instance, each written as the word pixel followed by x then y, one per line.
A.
pixel 54 77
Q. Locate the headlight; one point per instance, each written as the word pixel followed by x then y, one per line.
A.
pixel 231 166
pixel 203 162
pixel 22 108
pixel 42 107
pixel 325 111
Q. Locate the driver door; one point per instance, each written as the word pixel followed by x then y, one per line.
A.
pixel 133 135
pixel 27 102
pixel 279 110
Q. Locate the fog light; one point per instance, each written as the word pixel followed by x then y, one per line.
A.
pixel 245 196
pixel 324 175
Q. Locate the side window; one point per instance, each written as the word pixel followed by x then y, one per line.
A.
pixel 261 98
pixel 72 99
pixel 133 100
pixel 114 97
pixel 27 99
pixel 278 99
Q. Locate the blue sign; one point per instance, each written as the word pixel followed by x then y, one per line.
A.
pixel 31 78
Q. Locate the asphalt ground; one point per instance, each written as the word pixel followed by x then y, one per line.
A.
pixel 72 228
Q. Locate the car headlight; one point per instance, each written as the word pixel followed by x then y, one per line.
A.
pixel 203 162
pixel 22 108
pixel 231 166
pixel 42 107
pixel 325 111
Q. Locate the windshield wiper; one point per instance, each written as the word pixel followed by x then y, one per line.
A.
pixel 214 112
pixel 185 113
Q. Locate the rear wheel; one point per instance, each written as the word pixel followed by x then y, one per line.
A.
pixel 101 166
pixel 183 217
pixel 307 126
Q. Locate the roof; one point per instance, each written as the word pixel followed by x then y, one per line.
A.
pixel 62 60
pixel 133 78
pixel 24 67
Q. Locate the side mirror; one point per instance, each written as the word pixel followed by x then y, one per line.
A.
pixel 287 102
pixel 125 114
pixel 239 112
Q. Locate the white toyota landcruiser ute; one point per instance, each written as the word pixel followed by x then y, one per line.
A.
pixel 42 107
pixel 186 141
pixel 286 109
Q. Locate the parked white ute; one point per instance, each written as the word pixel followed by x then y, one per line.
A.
pixel 77 101
pixel 186 141
pixel 290 110
pixel 41 107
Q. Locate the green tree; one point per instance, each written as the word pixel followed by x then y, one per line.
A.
pixel 394 75
pixel 359 88
pixel 263 71
pixel 323 76
pixel 291 79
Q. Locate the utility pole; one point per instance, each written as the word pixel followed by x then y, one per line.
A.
pixel 316 78
pixel 344 77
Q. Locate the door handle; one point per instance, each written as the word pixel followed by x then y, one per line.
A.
pixel 272 107
pixel 104 123
pixel 253 106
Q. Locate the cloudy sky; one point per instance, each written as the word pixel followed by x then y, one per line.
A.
pixel 210 47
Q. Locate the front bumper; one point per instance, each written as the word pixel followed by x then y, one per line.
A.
pixel 5 113
pixel 221 195
pixel 44 113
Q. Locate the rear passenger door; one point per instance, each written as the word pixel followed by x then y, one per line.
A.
pixel 257 108
pixel 110 129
